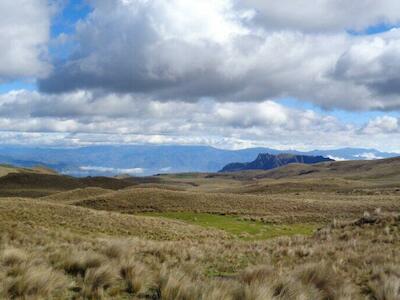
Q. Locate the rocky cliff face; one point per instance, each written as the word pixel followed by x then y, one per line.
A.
pixel 267 161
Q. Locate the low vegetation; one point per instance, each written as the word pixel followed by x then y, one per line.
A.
pixel 351 260
pixel 243 228
pixel 196 236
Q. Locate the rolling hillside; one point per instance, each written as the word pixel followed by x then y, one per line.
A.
pixel 373 169
pixel 38 182
pixel 243 235
pixel 8 169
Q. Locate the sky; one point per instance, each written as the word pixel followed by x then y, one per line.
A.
pixel 289 74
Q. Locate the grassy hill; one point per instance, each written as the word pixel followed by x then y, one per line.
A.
pixel 7 169
pixel 72 196
pixel 326 231
pixel 374 169
pixel 272 207
pixel 36 183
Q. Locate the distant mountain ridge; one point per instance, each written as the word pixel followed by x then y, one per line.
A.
pixel 110 160
pixel 266 161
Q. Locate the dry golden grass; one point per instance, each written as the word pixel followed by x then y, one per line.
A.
pixel 345 260
pixel 69 197
pixel 21 215
pixel 7 169
pixel 287 208
pixel 4 170
pixel 86 244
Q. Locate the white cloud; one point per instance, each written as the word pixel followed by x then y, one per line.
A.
pixel 189 50
pixel 84 118
pixel 368 156
pixel 131 171
pixel 203 72
pixel 336 158
pixel 382 124
pixel 24 34
pixel 323 15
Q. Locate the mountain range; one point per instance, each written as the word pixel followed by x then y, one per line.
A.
pixel 266 161
pixel 152 159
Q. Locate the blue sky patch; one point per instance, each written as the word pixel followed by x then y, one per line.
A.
pixel 376 29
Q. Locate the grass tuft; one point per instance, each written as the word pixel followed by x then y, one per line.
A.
pixel 35 282
pixel 97 280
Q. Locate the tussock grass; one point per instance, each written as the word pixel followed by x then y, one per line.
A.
pixel 34 282
pixel 12 257
pixel 97 280
pixel 271 208
pixel 77 263
pixel 188 248
pixel 137 278
pixel 324 266
pixel 384 283
pixel 177 286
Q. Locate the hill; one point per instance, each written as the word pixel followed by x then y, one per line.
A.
pixel 72 196
pixel 40 182
pixel 377 170
pixel 266 161
pixel 6 169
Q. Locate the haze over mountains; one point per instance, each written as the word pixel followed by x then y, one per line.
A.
pixel 151 159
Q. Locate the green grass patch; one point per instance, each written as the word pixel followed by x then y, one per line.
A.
pixel 247 230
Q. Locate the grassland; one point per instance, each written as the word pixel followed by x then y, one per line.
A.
pixel 329 231
pixel 239 227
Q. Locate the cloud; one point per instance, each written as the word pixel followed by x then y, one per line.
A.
pixel 24 34
pixel 87 118
pixel 322 15
pixel 84 111
pixel 336 158
pixel 368 156
pixel 202 72
pixel 131 171
pixel 382 125
pixel 142 46
pixel 373 63
pixel 191 50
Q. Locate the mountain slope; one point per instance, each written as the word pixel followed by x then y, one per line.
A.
pixel 380 169
pixel 266 161
pixel 375 171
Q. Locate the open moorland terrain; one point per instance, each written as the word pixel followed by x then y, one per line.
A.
pixel 324 231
